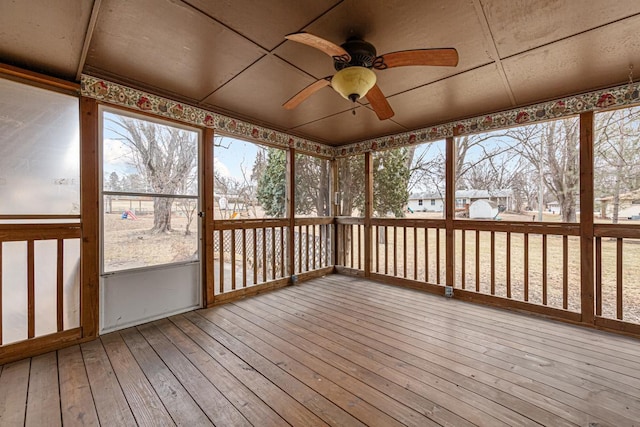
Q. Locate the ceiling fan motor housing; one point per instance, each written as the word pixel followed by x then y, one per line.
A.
pixel 362 53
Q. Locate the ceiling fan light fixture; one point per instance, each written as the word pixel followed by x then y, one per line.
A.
pixel 353 83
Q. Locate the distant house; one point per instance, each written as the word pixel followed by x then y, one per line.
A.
pixel 434 202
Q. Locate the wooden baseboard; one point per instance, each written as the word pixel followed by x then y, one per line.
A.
pixel 40 345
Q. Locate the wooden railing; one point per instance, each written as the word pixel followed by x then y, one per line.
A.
pixel 248 253
pixel 25 331
pixel 617 263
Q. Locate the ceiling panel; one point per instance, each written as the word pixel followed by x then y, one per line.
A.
pixel 167 45
pixel 520 25
pixel 250 17
pixel 268 84
pixel 461 96
pixel 44 39
pixel 590 60
pixel 344 127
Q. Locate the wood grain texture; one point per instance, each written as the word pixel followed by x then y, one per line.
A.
pixel 76 400
pixel 14 382
pixel 43 402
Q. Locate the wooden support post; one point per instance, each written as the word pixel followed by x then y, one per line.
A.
pixel 449 211
pixel 208 281
pixel 291 210
pixel 90 212
pixel 586 218
pixel 368 211
pixel 335 211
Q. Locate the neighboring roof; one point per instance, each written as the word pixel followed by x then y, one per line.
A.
pixel 630 196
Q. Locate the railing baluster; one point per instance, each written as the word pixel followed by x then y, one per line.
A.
pixel 244 258
pixel 426 254
pixel 59 287
pixel 273 253
pixel 404 252
pixel 415 253
pixel 321 258
pixel 477 260
pixel 395 250
pixel 598 276
pixel 526 267
pixel 264 255
pixel 493 263
pixel 31 301
pixel 359 246
pixel 313 245
pixel 619 278
pixel 463 261
pixel 508 264
pixel 351 246
pixel 255 256
pixel 376 231
pixel 282 252
pixel 386 249
pixel 233 259
pixel 221 272
pixel 544 269
pixel 565 272
pixel 438 256
pixel 299 249
pixel 306 244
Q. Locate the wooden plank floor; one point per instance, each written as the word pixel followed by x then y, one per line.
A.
pixel 334 351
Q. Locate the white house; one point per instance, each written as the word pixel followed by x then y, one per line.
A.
pixel 434 202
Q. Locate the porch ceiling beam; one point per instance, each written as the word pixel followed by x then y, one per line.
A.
pixel 87 37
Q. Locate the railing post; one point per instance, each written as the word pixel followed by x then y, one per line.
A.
pixel 207 225
pixel 335 212
pixel 291 209
pixel 586 218
pixel 449 210
pixel 368 211
pixel 89 161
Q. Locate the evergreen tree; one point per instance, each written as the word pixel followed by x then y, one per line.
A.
pixel 272 191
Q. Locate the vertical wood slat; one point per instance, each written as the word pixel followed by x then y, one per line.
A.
pixel 565 272
pixel 508 264
pixel 31 301
pixel 598 276
pixel 386 249
pixel 273 253
pixel 351 246
pixel 59 287
pixel 306 244
pixel 232 251
pixel 377 243
pixel 282 252
pixel 426 254
pixel 321 255
pixel 493 263
pixel 368 211
pixel 358 227
pixel 404 252
pixel 299 270
pixel 221 272
pixel 438 256
pixel 415 253
pixel 544 269
pixel 395 250
pixel 526 266
pixel 477 260
pixel 264 255
pixel 313 246
pixel 619 278
pixel 463 261
pixel 449 211
pixel 255 256
pixel 244 258
pixel 291 210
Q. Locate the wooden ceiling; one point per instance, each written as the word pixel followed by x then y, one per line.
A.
pixel 230 56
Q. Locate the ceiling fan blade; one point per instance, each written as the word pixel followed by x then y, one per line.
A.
pixel 305 93
pixel 379 103
pixel 319 43
pixel 438 57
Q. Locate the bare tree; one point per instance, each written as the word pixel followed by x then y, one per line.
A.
pixel 165 155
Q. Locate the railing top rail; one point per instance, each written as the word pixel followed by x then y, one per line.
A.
pixel 319 220
pixel 22 232
pixel 562 229
pixel 630 231
pixel 239 224
pixel 409 222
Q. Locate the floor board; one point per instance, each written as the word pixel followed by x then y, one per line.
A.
pixel 337 351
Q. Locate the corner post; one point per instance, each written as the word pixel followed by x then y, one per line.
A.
pixel 449 210
pixel 208 224
pixel 368 211
pixel 586 218
pixel 291 209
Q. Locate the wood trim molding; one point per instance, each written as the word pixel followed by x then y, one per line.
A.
pixel 38 79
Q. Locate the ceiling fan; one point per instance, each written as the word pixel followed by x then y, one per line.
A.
pixel 354 61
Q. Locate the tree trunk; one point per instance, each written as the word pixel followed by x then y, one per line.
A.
pixel 162 215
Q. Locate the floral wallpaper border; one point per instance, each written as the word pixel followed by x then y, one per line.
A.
pixel 116 94
pixel 628 94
